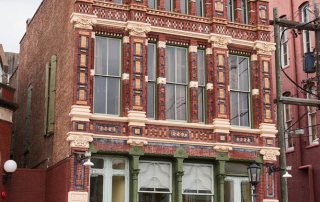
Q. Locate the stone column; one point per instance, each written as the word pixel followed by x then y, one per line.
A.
pixel 179 156
pixel 193 83
pixel 222 157
pixel 135 154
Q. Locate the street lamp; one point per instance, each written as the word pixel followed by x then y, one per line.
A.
pixel 9 167
pixel 254 177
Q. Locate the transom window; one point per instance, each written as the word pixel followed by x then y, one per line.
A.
pixel 155 181
pixel 197 183
pixel 177 83
pixel 239 80
pixel 151 80
pixel 109 180
pixel 201 85
pixel 107 75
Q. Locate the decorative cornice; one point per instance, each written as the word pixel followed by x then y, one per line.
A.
pixel 268 130
pixel 80 113
pixel 83 21
pixel 79 140
pixel 137 118
pixel 221 126
pixel 136 141
pixel 222 148
pixel 269 154
pixel 264 48
pixel 220 41
pixel 138 28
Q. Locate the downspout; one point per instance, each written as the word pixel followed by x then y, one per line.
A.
pixel 299 152
pixel 311 182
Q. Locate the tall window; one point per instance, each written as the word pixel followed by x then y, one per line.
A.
pixel 155 181
pixel 231 8
pixel 50 94
pixel 284 47
pixel 287 126
pixel 177 83
pixel 200 7
pixel 168 5
pixel 201 88
pixel 244 11
pixel 151 80
pixel 312 118
pixel 109 180
pixel 237 189
pixel 239 80
pixel 107 75
pixel 305 17
pixel 184 6
pixel 197 183
pixel 152 4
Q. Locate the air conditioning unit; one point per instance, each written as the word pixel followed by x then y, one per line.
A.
pixel 309 63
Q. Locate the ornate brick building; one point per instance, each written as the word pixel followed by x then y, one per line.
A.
pixel 301 122
pixel 172 98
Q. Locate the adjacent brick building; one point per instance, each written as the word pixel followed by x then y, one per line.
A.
pixel 302 147
pixel 172 98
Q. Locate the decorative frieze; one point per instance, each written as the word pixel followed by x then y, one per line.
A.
pixel 269 154
pixel 220 41
pixel 264 48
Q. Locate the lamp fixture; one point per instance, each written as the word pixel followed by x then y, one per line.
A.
pixel 254 172
pixel 10 166
pixel 82 157
pixel 88 163
pixel 272 168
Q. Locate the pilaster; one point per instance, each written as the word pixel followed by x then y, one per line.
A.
pixel 135 153
pixel 252 11
pixel 193 82
pixel 238 13
pixel 161 80
pixel 209 86
pixel 179 155
pixel 221 174
pixel 192 7
pixel 208 8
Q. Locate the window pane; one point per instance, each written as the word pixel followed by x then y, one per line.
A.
pixel 244 11
pixel 114 57
pixel 96 188
pixel 152 4
pixel 119 164
pixel 201 67
pixel 245 191
pixel 101 55
pixel 168 5
pixel 99 94
pixel 196 198
pixel 151 62
pixel 170 63
pixel 181 65
pixel 197 179
pixel 98 163
pixel 234 114
pixel 228 191
pixel 243 74
pixel 181 104
pixel 170 101
pixel 201 104
pixel 118 188
pixel 233 72
pixel 184 6
pixel 150 110
pixel 154 197
pixel 113 96
pixel 199 4
pixel 244 109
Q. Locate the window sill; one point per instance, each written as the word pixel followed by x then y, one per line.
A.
pixel 290 150
pixel 285 67
pixel 313 145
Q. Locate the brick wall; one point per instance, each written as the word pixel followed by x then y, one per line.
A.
pixel 45 37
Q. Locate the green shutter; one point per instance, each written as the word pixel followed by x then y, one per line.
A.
pixel 52 94
pixel 46 97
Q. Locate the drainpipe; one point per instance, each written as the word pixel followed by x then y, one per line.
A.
pixel 310 179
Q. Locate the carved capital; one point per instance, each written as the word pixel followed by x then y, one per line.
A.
pixel 134 141
pixel 222 148
pixel 83 21
pixel 269 154
pixel 79 140
pixel 220 41
pixel 264 48
pixel 138 28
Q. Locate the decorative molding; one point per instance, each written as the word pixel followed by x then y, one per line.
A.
pixel 146 78
pixel 5 115
pixel 264 48
pixel 79 139
pixel 138 28
pixel 255 92
pixel 193 49
pixel 93 35
pixel 269 154
pixel 254 57
pixel 137 118
pixel 126 39
pixel 92 72
pixel 83 21
pixel 222 148
pixel 136 141
pixel 220 41
pixel 161 80
pixel 268 130
pixel 80 113
pixel 221 126
pixel 208 51
pixel 161 44
pixel 75 196
pixel 193 84
pixel 125 76
pixel 209 86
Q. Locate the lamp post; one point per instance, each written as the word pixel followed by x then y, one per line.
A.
pixel 254 177
pixel 9 167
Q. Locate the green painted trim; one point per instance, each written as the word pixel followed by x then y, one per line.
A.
pixel 93 149
pixel 180 153
pixel 136 151
pixel 46 95
pixel 221 173
pixel 223 156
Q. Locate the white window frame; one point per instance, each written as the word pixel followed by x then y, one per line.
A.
pixel 153 82
pixel 108 172
pixel 312 114
pixel 108 76
pixel 284 46
pixel 287 124
pixel 155 192
pixel 175 84
pixel 212 179
pixel 242 91
pixel 237 186
pixel 305 17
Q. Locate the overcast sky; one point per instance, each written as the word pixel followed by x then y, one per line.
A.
pixel 13 17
